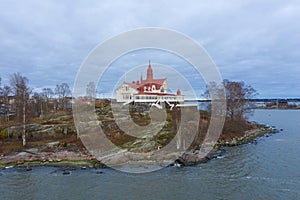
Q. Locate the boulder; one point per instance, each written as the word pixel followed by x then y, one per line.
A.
pixel 53 144
pixel 66 172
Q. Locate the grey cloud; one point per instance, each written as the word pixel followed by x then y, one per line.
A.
pixel 255 41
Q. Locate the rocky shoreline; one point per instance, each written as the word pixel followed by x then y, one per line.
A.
pixel 191 158
pixel 81 159
pixel 63 159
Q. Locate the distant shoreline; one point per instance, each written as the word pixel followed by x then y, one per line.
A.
pixel 266 108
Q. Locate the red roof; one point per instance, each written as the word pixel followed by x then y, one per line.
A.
pixel 157 82
pixel 133 85
pixel 154 93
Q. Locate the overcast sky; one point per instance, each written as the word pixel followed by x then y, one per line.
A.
pixel 251 40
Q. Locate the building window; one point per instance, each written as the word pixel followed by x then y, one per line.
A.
pixel 153 87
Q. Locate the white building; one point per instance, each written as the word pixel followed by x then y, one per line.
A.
pixel 147 91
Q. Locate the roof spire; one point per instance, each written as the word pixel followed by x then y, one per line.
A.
pixel 149 73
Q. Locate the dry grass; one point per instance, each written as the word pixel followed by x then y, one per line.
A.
pixel 15 145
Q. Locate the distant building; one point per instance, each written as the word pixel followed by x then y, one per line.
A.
pixel 271 104
pixel 149 90
pixel 282 103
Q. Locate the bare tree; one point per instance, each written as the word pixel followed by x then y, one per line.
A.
pixel 21 91
pixel 5 91
pixel 238 97
pixel 62 91
pixel 36 105
pixel 238 104
pixel 46 95
pixel 215 92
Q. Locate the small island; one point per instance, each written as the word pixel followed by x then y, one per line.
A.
pixel 39 129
